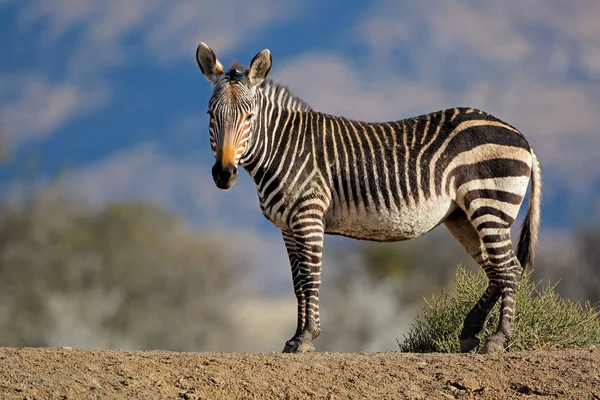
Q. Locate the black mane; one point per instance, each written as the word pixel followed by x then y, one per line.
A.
pixel 275 89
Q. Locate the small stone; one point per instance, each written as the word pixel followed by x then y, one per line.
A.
pixel 187 396
pixel 465 384
pixel 471 384
pixel 592 348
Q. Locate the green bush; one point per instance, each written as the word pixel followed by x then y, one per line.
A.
pixel 543 319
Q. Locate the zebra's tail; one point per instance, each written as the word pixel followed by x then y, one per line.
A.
pixel 529 230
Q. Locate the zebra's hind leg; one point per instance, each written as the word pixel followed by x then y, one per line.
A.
pixel 507 270
pixel 463 231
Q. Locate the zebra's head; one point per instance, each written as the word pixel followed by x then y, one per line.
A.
pixel 232 109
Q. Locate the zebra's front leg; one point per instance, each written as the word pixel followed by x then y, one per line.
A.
pixel 308 238
pixel 297 280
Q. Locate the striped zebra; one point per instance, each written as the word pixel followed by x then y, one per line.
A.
pixel 320 174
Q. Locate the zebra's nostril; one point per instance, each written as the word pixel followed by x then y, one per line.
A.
pixel 225 175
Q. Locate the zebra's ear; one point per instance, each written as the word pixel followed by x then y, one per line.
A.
pixel 208 63
pixel 259 67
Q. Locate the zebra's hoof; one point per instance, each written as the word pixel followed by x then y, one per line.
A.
pixel 291 346
pixel 297 346
pixel 468 344
pixel 495 344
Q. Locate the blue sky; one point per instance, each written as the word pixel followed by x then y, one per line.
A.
pixel 111 89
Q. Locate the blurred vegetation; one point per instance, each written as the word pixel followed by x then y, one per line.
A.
pixel 421 265
pixel 543 319
pixel 128 275
pixel 5 153
pixel 373 290
pixel 587 241
pixel 575 260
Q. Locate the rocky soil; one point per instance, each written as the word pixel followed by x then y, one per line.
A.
pixel 58 373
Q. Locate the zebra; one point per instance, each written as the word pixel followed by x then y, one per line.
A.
pixel 319 174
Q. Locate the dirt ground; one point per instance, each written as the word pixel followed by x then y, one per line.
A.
pixel 51 373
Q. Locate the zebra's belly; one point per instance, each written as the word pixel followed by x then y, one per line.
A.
pixel 390 225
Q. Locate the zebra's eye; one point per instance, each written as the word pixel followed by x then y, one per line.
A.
pixel 249 117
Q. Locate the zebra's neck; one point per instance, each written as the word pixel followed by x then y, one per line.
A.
pixel 276 104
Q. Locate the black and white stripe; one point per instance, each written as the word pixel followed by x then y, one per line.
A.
pixel 320 174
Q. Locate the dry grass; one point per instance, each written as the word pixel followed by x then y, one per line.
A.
pixel 543 319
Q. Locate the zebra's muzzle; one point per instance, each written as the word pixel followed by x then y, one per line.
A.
pixel 224 176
